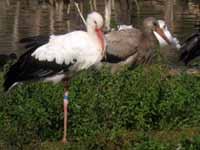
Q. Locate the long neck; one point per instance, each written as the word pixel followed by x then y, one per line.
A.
pixel 97 37
pixel 90 30
pixel 150 36
pixel 93 35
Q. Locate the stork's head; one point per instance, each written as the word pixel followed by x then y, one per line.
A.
pixel 160 30
pixel 94 21
pixel 94 25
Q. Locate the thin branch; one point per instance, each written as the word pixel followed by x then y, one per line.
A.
pixel 81 15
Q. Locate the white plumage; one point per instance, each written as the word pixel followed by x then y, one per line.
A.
pixel 64 49
pixel 83 47
pixel 124 27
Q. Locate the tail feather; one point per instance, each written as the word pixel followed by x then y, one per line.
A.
pixel 9 82
pixel 11 77
pixel 17 72
pixel 34 42
pixel 34 39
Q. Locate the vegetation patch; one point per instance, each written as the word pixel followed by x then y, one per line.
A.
pixel 144 108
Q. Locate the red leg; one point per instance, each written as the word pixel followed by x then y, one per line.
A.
pixel 65 106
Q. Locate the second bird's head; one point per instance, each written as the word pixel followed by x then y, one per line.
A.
pixel 160 30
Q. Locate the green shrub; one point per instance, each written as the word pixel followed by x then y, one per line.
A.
pixel 190 144
pixel 101 105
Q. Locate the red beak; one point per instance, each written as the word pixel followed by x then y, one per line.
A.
pixel 101 38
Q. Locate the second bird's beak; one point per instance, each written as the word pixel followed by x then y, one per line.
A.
pixel 164 36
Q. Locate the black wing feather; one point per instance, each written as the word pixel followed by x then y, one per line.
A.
pixel 28 68
pixel 32 43
pixel 190 48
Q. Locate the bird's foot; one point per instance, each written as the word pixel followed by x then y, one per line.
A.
pixel 64 141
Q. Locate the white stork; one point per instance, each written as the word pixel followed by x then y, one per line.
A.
pixel 57 58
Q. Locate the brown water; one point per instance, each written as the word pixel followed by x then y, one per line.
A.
pixel 19 19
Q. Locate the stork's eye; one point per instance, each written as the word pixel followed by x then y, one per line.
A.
pixel 155 23
pixel 95 22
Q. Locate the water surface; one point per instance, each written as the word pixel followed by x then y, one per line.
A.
pixel 19 19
